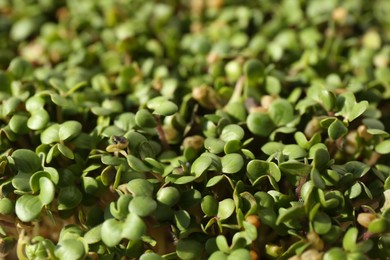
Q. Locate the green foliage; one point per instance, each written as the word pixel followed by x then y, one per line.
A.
pixel 194 129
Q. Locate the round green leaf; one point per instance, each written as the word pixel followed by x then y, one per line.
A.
pixel 90 185
pixel 378 226
pixel 322 223
pixel 19 67
pixel 349 240
pixel 232 163
pixel 214 180
pixel 69 197
pixel 70 249
pixel 383 147
pixel 140 187
pixel 142 205
pixel 232 146
pixel 50 134
pixel 26 160
pixel 69 129
pixel 47 190
pixel 7 207
pixel 133 227
pixel 200 165
pixel 281 112
pixel 28 207
pixel 240 253
pixel 168 196
pixel 226 208
pixel 38 120
pixel 93 235
pixel 137 164
pixel 150 256
pixel 143 118
pixel 111 232
pixel 295 168
pixel 335 253
pixel 337 129
pixel 209 206
pixel 273 85
pixel 257 168
pixel 232 132
pixel 188 249
pixel 65 151
pixel 18 124
pixel 166 108
pixel 218 255
pixel 214 145
pixel 35 103
pixel 182 219
pixel 254 70
pixel 260 124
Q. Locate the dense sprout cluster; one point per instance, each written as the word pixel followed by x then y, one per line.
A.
pixel 196 129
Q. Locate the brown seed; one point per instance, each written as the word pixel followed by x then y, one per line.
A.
pixel 254 220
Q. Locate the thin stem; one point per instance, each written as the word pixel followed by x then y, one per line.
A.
pixel 161 134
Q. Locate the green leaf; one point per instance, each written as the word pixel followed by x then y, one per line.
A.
pixel 150 256
pixel 273 85
pixel 378 226
pixel 349 240
pixel 69 130
pixel 182 219
pixel 93 235
pixel 254 70
pixel 232 132
pixel 189 249
pixel 295 168
pixel 168 196
pixel 281 112
pixel 140 187
pixel 7 206
pixel 50 134
pixel 166 108
pixel 111 232
pixel 38 120
pixel 335 253
pixel 47 190
pixel 19 67
pixel 136 164
pixel 232 163
pixel 322 223
pixel 142 205
pixel 26 160
pixel 69 197
pixel 28 207
pixel 143 118
pixel 337 129
pixel 272 148
pixel 258 168
pixel 289 214
pixel 232 146
pixel 209 206
pixel 226 208
pixel 214 145
pixel 65 151
pixel 321 159
pixel 200 165
pixel 133 227
pixel 71 249
pixel 18 124
pixel 215 180
pixel 350 108
pixel 383 147
pixel 260 124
